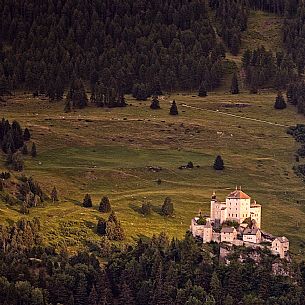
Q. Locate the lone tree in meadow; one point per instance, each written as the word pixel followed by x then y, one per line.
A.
pixel 105 206
pixel 280 102
pixel 234 84
pixel 167 207
pixel 26 135
pixel 54 195
pixel 218 163
pixel 33 150
pixel 174 109
pixel 202 90
pixel 87 202
pixel 155 104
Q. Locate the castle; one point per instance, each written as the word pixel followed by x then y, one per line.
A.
pixel 237 221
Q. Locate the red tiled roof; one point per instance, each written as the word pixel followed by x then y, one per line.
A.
pixel 238 194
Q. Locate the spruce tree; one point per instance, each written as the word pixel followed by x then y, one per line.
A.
pixel 218 163
pixel 202 90
pixel 87 202
pixel 77 94
pixel 173 110
pixel 54 195
pixel 155 103
pixel 33 150
pixel 234 84
pixel 24 150
pixel 26 134
pixel 167 207
pixel 280 102
pixel 17 162
pixel 9 157
pixel 105 206
pixel 101 227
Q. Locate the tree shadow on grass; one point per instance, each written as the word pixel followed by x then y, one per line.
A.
pixel 157 209
pixel 143 237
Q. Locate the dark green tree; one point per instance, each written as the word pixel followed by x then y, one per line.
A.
pixel 26 134
pixel 174 109
pixel 33 150
pixel 77 94
pixel 218 163
pixel 155 104
pixel 280 102
pixel 234 84
pixel 105 206
pixel 87 202
pixel 202 90
pixel 167 207
pixel 24 150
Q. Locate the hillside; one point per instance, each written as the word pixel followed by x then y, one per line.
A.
pixel 110 151
pixel 107 152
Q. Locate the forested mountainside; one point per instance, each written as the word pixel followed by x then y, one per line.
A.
pixel 154 272
pixel 45 43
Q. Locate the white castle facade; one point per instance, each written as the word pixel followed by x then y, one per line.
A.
pixel 237 220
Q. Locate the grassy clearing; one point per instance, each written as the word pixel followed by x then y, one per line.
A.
pixel 101 152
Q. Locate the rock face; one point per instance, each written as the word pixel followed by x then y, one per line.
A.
pixel 229 253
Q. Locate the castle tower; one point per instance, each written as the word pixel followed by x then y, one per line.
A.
pixel 238 205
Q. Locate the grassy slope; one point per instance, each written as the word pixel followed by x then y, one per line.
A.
pixel 103 152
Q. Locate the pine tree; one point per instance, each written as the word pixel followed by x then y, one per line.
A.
pixel 93 298
pixel 173 110
pixel 234 84
pixel 202 90
pixel 26 135
pixel 24 150
pixel 9 157
pixel 77 94
pixel 33 151
pixel 218 163
pixel 155 104
pixel 126 297
pixel 17 162
pixel 87 202
pixel 80 296
pixel 105 206
pixel 54 195
pixel 101 227
pixel 167 207
pixel 280 102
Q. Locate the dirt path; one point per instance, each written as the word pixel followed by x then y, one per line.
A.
pixel 235 115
